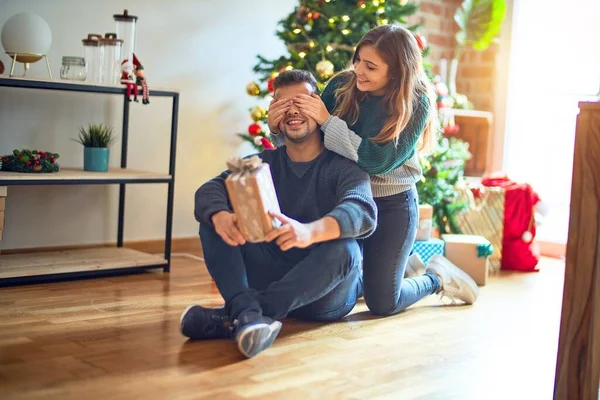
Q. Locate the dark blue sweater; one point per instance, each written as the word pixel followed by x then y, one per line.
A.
pixel 329 185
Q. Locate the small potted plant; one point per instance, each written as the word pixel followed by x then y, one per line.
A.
pixel 96 141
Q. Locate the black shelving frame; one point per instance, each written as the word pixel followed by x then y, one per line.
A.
pixel 122 182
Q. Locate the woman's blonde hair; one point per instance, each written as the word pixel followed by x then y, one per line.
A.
pixel 398 47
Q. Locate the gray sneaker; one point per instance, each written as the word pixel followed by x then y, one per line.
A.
pixel 255 333
pixel 456 284
pixel 414 266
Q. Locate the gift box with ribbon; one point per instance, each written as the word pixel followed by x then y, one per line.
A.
pixel 252 195
pixel 425 222
pixel 471 253
pixel 428 248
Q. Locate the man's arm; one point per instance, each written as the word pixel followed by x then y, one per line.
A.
pixel 296 234
pixel 355 215
pixel 211 198
pixel 356 211
pixel 325 229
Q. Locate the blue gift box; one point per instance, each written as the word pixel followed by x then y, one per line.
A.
pixel 428 248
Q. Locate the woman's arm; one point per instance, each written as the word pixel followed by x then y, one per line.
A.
pixel 373 157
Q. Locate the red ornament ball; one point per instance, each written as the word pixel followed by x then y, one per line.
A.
pixel 315 15
pixel 254 129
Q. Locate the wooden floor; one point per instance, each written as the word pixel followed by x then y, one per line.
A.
pixel 118 338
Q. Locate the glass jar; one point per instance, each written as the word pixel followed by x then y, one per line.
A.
pixel 125 25
pixel 93 57
pixel 73 68
pixel 111 66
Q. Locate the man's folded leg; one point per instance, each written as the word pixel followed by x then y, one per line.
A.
pixel 326 266
pixel 334 305
pixel 242 316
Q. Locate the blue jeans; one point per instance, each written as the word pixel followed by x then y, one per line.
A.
pixel 319 283
pixel 386 253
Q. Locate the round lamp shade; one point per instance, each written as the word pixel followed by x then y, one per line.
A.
pixel 28 35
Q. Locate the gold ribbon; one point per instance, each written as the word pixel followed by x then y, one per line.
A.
pixel 242 166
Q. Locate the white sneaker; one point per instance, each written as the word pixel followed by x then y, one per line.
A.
pixel 456 284
pixel 414 266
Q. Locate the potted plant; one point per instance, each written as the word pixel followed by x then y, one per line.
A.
pixel 96 141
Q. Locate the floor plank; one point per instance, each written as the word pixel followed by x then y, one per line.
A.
pixel 118 338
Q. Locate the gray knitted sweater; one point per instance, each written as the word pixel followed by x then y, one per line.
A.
pixel 329 185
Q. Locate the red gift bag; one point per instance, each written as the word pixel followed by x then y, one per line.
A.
pixel 519 251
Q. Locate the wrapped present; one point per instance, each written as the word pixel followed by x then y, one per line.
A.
pixel 503 212
pixel 428 248
pixel 519 250
pixel 484 216
pixel 425 222
pixel 252 195
pixel 471 253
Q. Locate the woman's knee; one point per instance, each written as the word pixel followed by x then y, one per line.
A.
pixel 380 305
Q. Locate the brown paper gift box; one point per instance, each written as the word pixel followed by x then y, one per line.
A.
pixel 462 251
pixel 425 222
pixel 484 217
pixel 252 195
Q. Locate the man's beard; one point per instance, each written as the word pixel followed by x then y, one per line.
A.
pixel 300 137
pixel 297 139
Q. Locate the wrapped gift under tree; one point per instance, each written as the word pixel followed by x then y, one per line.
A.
pixel 471 253
pixel 425 222
pixel 428 248
pixel 483 216
pixel 252 195
pixel 503 212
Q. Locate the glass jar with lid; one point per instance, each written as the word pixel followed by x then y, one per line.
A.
pixel 93 57
pixel 126 27
pixel 111 65
pixel 73 68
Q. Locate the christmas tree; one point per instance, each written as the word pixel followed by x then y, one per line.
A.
pixel 320 36
pixel 442 170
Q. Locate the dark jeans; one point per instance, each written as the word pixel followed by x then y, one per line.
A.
pixel 318 283
pixel 386 253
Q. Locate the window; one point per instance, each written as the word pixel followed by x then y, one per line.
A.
pixel 554 64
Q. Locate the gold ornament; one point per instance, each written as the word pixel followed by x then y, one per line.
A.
pixel 325 69
pixel 252 89
pixel 258 113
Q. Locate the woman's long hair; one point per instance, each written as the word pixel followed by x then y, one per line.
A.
pixel 398 47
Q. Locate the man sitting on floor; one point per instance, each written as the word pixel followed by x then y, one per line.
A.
pixel 308 268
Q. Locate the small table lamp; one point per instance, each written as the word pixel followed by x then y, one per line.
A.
pixel 26 39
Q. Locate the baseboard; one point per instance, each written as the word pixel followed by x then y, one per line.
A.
pixel 552 249
pixel 178 245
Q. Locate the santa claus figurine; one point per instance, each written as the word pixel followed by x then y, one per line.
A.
pixel 141 79
pixel 128 78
